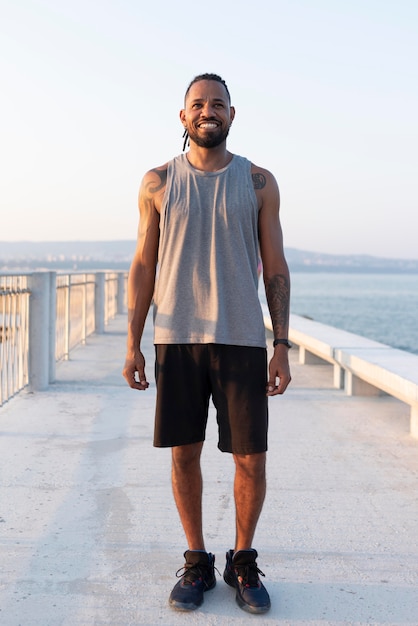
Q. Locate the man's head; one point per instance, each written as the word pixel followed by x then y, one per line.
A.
pixel 207 114
pixel 207 76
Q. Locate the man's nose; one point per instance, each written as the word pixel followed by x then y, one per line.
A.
pixel 207 110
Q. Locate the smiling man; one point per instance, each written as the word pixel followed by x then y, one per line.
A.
pixel 205 218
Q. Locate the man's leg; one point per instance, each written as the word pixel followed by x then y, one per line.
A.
pixel 199 568
pixel 241 569
pixel 249 493
pixel 187 484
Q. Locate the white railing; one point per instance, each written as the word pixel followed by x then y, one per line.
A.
pixel 45 315
pixel 14 325
pixel 75 317
pixel 111 295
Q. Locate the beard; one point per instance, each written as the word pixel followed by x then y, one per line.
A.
pixel 211 140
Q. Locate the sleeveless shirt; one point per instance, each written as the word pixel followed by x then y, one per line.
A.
pixel 207 285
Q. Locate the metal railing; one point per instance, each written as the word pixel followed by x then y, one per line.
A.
pixel 75 312
pixel 111 295
pixel 14 332
pixel 45 315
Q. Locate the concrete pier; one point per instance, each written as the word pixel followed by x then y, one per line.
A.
pixel 89 534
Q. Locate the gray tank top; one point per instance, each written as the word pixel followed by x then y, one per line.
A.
pixel 207 286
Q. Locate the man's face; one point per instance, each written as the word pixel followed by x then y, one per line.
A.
pixel 208 114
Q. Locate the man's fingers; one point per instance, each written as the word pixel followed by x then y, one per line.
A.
pixel 135 377
pixel 278 385
pixel 272 387
pixel 141 380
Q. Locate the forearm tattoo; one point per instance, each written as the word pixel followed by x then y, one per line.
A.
pixel 278 300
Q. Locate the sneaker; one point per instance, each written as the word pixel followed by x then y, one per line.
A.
pixel 241 572
pixel 198 576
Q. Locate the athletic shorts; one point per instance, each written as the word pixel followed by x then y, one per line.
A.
pixel 235 377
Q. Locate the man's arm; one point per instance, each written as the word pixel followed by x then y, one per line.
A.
pixel 275 275
pixel 141 278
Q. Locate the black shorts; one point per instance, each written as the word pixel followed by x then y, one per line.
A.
pixel 188 375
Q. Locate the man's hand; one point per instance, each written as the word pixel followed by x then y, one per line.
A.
pixel 279 369
pixel 134 372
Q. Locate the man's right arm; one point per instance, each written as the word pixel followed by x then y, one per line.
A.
pixel 141 278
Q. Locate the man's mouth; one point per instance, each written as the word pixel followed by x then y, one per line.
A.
pixel 208 125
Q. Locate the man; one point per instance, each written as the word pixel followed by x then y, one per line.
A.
pixel 205 217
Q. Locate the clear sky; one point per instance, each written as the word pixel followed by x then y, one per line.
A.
pixel 326 94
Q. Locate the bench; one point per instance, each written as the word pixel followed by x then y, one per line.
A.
pixel 361 366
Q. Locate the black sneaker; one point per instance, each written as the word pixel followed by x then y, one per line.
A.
pixel 198 576
pixel 241 572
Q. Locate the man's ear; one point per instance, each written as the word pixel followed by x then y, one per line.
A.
pixel 182 115
pixel 232 109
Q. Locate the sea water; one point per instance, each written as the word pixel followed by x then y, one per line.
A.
pixel 383 307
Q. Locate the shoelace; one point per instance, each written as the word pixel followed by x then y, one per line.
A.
pixel 193 573
pixel 248 574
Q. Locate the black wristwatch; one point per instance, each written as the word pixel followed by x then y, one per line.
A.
pixel 285 342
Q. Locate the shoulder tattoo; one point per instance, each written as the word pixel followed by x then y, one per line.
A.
pixel 259 181
pixel 159 182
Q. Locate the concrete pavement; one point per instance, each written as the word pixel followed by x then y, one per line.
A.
pixel 89 534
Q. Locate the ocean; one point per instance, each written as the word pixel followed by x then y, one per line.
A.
pixel 383 307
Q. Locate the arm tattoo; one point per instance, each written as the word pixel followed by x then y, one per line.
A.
pixel 150 188
pixel 259 181
pixel 153 187
pixel 278 300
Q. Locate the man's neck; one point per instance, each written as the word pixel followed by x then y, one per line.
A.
pixel 209 159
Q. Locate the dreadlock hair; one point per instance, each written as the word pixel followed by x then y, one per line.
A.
pixel 186 141
pixel 197 79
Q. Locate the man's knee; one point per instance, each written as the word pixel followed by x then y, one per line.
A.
pixel 253 466
pixel 184 457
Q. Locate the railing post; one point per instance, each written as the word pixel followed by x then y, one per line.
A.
pixel 67 318
pixel 39 312
pixel 84 311
pixel 52 325
pixel 121 293
pixel 100 302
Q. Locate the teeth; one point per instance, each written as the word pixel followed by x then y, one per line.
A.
pixel 207 125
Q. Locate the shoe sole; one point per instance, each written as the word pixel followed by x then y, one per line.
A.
pixel 179 606
pixel 256 610
pixel 241 603
pixel 189 606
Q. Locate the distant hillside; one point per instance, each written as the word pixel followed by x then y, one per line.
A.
pixel 66 255
pixel 86 255
pixel 304 261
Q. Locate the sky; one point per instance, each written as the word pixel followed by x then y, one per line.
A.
pixel 326 98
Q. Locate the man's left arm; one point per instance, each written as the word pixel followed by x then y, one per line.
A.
pixel 275 275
